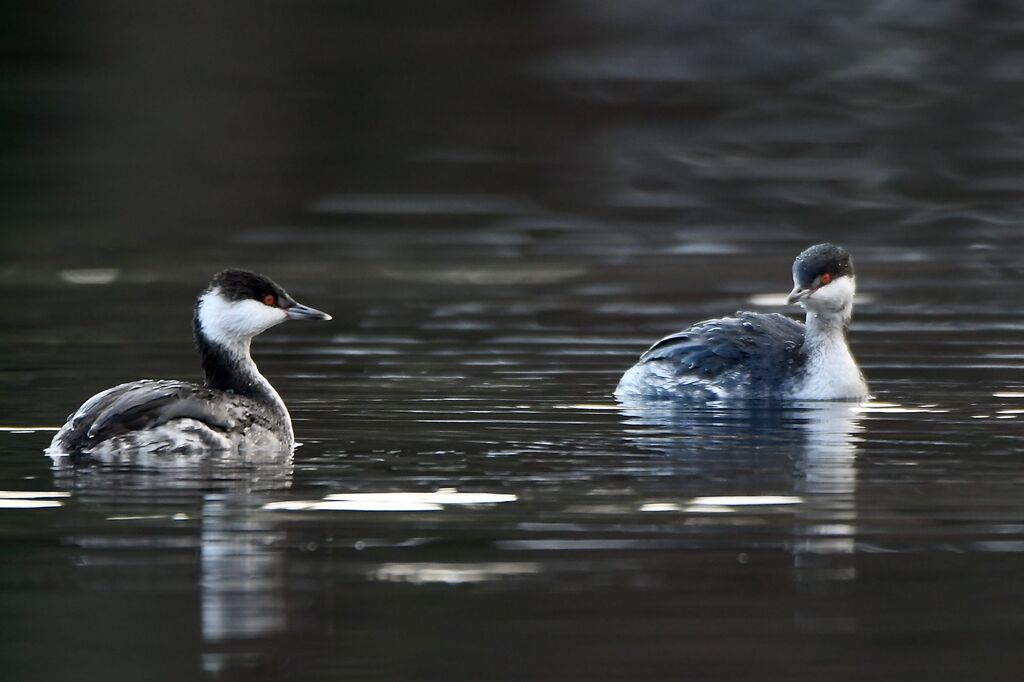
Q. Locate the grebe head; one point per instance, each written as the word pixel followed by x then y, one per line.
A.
pixel 239 304
pixel 823 281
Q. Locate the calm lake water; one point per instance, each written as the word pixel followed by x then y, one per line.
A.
pixel 502 209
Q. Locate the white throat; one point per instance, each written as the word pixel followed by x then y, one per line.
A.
pixel 831 373
pixel 831 305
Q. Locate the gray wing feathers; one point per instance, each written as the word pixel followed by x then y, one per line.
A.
pixel 155 403
pixel 763 344
pixel 150 403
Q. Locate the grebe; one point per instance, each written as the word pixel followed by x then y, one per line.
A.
pixel 763 356
pixel 235 409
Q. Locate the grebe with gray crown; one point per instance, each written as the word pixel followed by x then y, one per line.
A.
pixel 763 356
pixel 235 409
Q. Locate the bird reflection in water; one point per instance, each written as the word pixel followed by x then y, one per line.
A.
pixel 765 460
pixel 241 570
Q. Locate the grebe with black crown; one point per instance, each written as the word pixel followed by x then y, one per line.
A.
pixel 235 409
pixel 763 356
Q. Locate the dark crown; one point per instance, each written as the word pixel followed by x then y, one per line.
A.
pixel 819 260
pixel 239 285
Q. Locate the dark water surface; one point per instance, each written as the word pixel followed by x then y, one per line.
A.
pixel 502 209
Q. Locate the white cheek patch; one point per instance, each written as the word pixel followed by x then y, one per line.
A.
pixel 229 322
pixel 834 296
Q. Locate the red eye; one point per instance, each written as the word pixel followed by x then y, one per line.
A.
pixel 270 300
pixel 826 278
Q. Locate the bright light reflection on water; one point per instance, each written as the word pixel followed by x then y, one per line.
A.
pixel 31 499
pixel 29 504
pixel 450 574
pixel 395 502
pixel 880 407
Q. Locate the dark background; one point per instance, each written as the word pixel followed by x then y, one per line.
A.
pixel 169 126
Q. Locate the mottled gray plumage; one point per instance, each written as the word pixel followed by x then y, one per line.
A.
pixel 752 352
pixel 147 404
